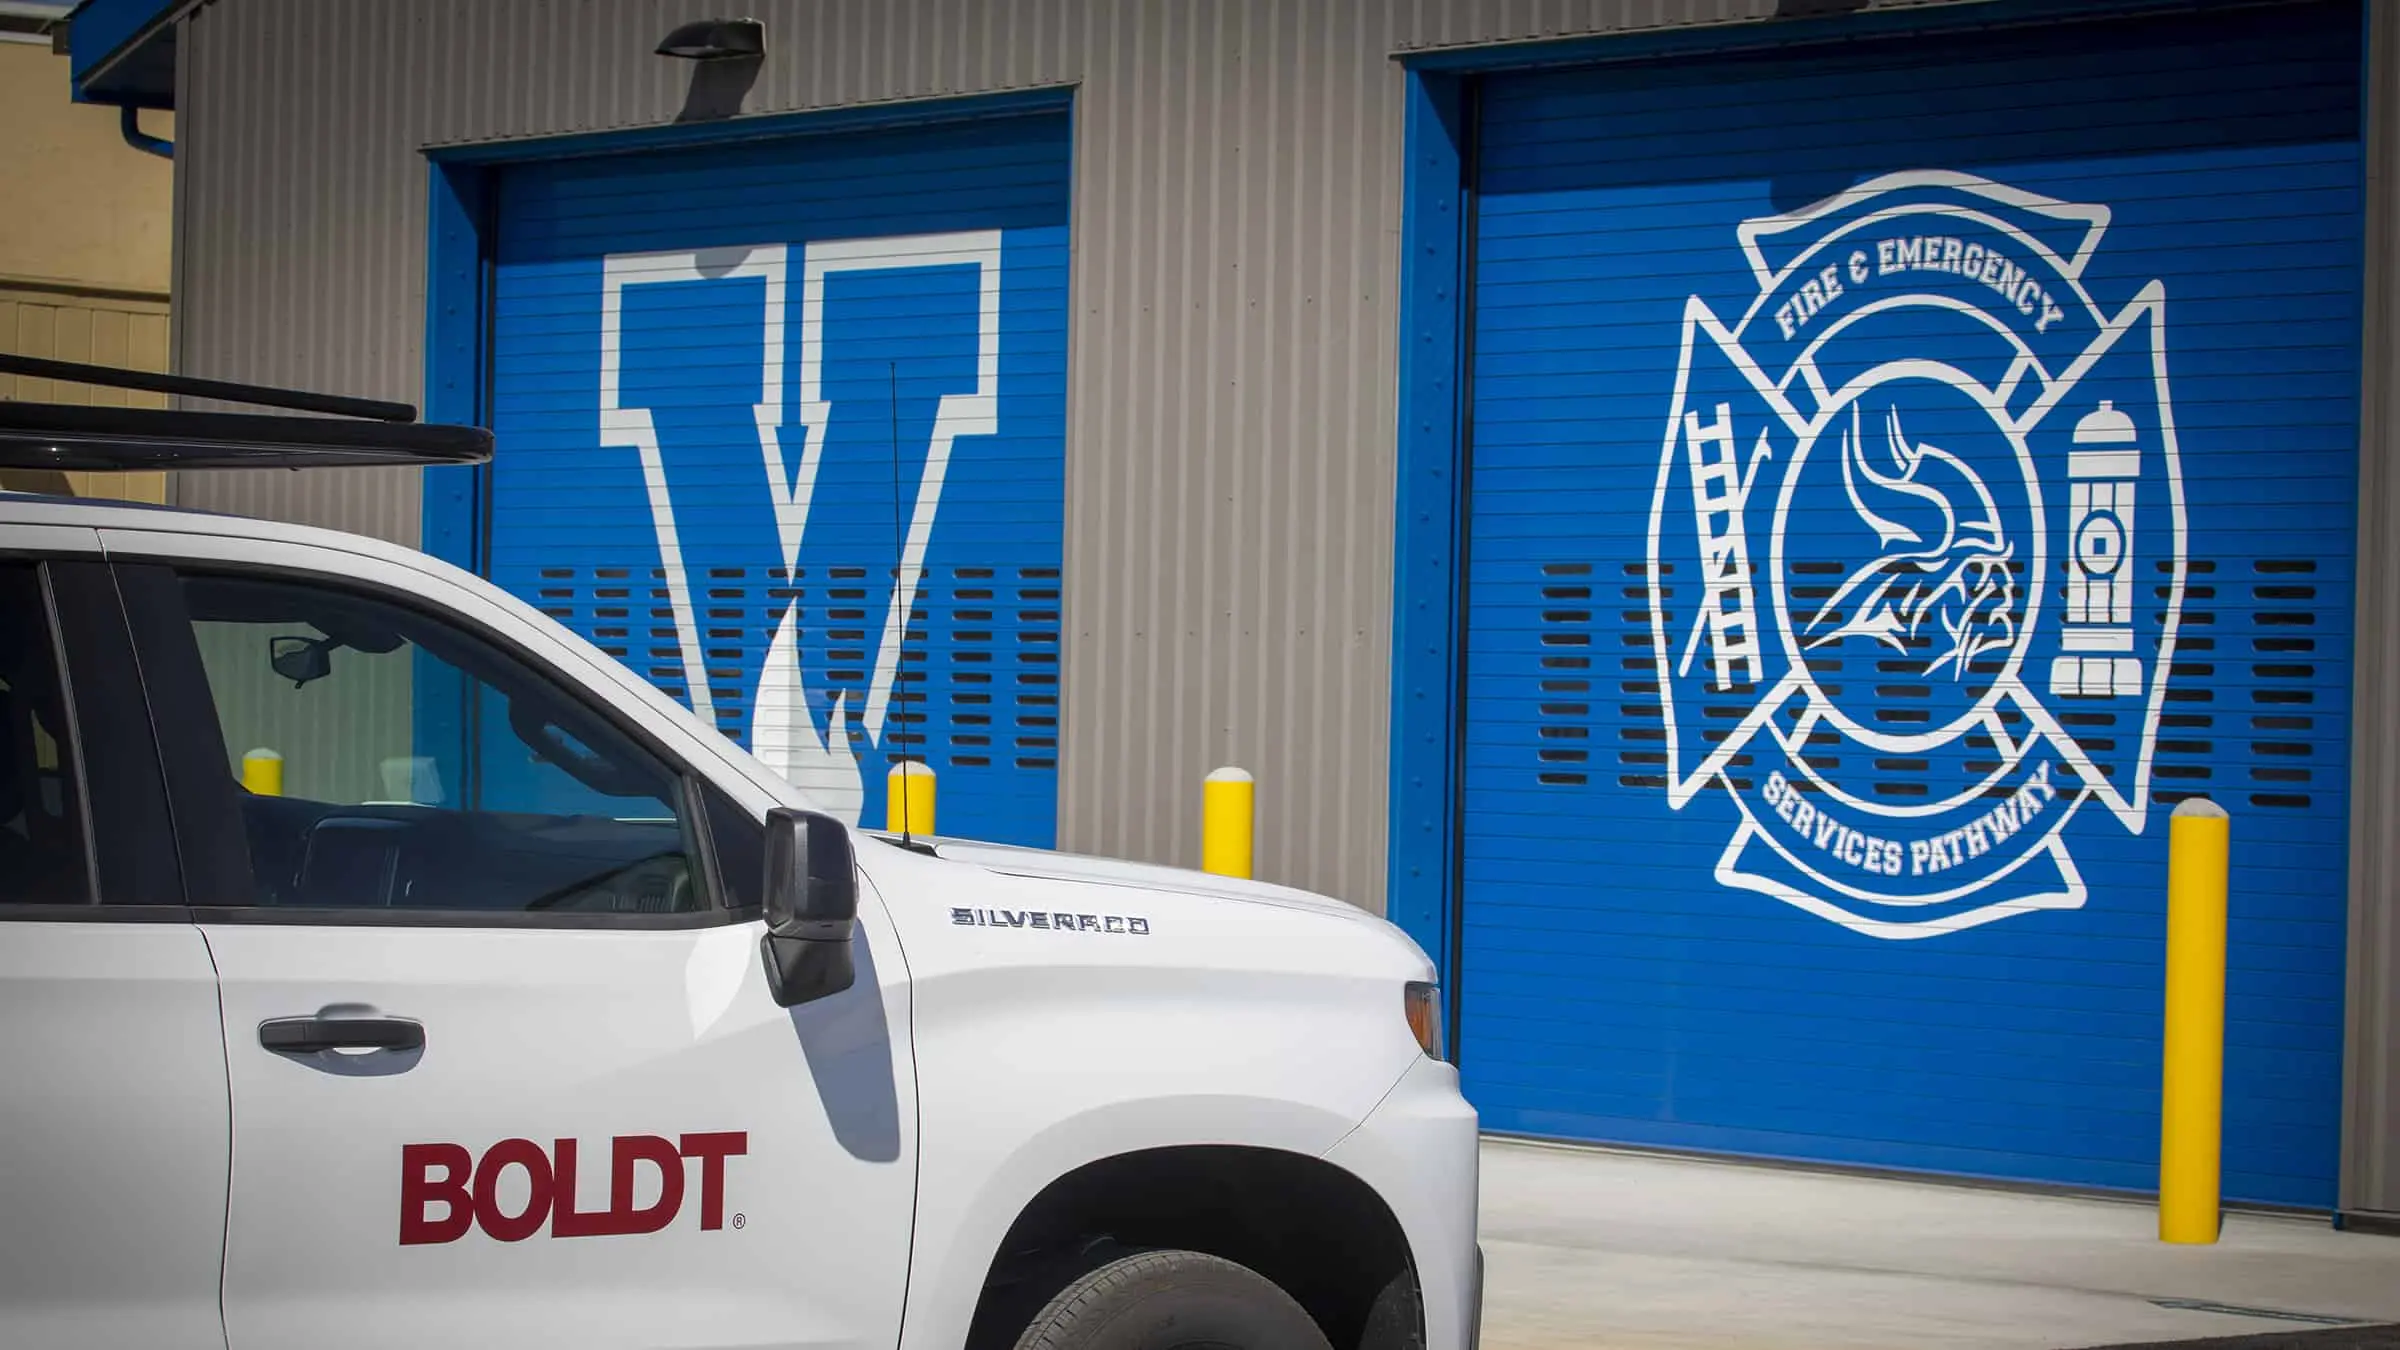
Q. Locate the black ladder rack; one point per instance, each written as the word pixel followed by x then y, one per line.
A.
pixel 349 432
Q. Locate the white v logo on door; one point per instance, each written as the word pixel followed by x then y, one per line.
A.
pixel 783 732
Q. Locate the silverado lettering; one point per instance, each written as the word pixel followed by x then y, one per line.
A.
pixel 468 1189
pixel 1054 921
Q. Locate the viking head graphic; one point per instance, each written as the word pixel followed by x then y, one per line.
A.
pixel 1940 576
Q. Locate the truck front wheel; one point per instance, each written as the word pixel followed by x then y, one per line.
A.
pixel 1173 1300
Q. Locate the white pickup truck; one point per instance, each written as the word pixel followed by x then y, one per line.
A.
pixel 515 1006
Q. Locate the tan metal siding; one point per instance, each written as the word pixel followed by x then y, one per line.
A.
pixel 2371 1126
pixel 299 218
pixel 1231 442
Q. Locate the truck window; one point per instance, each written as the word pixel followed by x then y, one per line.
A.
pixel 391 760
pixel 42 857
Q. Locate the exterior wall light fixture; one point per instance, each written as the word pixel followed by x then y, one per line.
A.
pixel 716 40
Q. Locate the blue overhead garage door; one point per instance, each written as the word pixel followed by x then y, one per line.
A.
pixel 1901 473
pixel 781 425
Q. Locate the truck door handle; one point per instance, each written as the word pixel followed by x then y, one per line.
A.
pixel 300 1035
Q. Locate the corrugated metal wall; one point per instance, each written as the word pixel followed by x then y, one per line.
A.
pixel 1230 440
pixel 2371 1165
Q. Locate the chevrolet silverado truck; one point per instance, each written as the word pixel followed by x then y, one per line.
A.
pixel 382 965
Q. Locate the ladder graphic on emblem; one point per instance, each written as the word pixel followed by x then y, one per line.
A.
pixel 1730 615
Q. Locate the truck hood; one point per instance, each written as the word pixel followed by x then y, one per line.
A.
pixel 1020 861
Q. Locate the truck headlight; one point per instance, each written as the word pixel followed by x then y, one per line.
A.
pixel 1424 1005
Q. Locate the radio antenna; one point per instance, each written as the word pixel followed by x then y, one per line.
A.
pixel 899 592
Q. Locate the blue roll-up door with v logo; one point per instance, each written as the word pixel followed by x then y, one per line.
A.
pixel 781 424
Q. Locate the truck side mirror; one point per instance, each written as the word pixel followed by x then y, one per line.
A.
pixel 812 906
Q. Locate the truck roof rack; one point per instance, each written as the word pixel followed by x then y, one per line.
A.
pixel 353 432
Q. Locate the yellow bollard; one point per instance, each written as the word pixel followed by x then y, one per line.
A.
pixel 262 773
pixel 2192 1087
pixel 908 798
pixel 1228 819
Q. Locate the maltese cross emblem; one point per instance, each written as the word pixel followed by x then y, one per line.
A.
pixel 1917 555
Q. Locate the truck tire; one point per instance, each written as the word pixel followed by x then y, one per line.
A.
pixel 1173 1300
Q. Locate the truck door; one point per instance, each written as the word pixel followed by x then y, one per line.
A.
pixel 504 1066
pixel 113 1120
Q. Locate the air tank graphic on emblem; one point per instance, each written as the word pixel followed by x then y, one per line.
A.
pixel 2096 632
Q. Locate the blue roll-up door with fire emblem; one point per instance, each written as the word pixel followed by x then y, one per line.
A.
pixel 1902 472
pixel 781 424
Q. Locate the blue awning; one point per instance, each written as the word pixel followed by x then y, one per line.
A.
pixel 122 52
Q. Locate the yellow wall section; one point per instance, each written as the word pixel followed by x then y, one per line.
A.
pixel 84 252
pixel 83 206
pixel 103 330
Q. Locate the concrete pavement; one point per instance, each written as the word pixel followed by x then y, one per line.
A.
pixel 1616 1251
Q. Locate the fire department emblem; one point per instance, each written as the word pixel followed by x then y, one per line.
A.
pixel 1917 555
